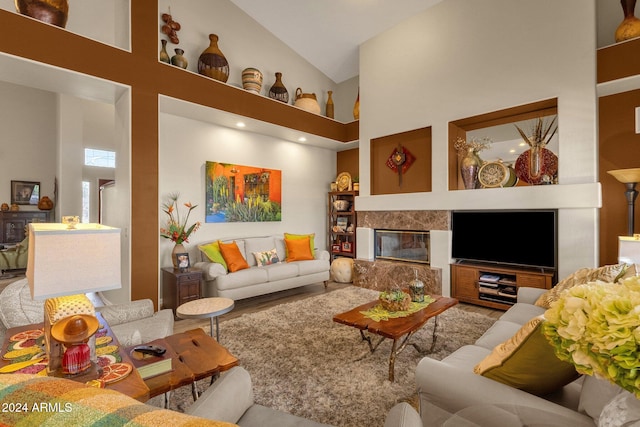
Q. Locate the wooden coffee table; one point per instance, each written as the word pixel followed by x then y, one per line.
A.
pixel 395 328
pixel 198 356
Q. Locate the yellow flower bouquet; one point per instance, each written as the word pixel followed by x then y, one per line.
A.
pixel 596 327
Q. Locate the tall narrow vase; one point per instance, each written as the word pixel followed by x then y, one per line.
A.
pixel 629 28
pixel 356 107
pixel 212 62
pixel 164 56
pixel 330 107
pixel 469 168
pixel 50 11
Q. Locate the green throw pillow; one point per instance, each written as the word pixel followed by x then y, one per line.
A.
pixel 212 251
pixel 527 361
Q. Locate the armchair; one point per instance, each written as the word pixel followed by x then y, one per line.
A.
pixel 133 323
pixel 15 258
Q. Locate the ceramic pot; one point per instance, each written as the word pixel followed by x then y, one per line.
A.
pixel 212 62
pixel 45 204
pixel 53 12
pixel 469 168
pixel 307 101
pixel 164 56
pixel 252 80
pixel 629 28
pixel 179 60
pixel 330 107
pixel 177 249
pixel 14 207
pixel 278 91
pixel 4 207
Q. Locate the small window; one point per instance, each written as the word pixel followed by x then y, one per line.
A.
pixel 99 158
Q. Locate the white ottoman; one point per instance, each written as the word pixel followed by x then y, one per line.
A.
pixel 342 270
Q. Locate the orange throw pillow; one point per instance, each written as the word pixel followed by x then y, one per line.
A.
pixel 298 249
pixel 232 256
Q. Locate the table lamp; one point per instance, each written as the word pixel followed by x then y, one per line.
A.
pixel 64 264
pixel 629 177
pixel 629 249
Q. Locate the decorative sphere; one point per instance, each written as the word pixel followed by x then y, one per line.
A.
pixel 342 270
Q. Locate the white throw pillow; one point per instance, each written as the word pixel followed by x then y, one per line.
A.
pixel 621 411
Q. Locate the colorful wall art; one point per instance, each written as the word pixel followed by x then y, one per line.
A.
pixel 238 193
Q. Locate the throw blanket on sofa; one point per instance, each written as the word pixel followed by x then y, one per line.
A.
pixel 28 400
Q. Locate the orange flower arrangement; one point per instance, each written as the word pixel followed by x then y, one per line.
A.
pixel 177 230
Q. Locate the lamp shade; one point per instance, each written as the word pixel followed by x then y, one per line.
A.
pixel 629 249
pixel 66 261
pixel 625 176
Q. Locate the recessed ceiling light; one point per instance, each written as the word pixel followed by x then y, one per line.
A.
pixel 240 124
pixel 512 151
pixel 522 144
pixel 302 139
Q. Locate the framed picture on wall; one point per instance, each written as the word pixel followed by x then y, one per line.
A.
pixel 25 192
pixel 182 261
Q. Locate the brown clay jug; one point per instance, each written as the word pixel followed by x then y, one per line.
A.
pixel 50 11
pixel 629 28
pixel 45 204
pixel 279 91
pixel 307 101
pixel 212 62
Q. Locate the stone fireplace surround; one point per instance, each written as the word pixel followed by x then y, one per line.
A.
pixel 380 274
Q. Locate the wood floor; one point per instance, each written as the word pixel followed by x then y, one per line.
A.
pixel 251 305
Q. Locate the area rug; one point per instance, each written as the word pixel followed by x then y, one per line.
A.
pixel 303 363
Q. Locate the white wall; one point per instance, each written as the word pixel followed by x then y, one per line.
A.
pixel 29 134
pixel 112 27
pixel 244 43
pixel 186 145
pixel 463 58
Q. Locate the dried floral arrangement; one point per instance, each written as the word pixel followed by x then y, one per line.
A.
pixel 462 146
pixel 541 133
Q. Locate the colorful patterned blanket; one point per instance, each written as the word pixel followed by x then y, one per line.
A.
pixel 30 400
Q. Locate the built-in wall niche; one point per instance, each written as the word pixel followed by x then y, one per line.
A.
pixel 104 21
pixel 500 128
pixel 401 163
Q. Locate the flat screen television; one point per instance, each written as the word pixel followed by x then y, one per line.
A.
pixel 525 238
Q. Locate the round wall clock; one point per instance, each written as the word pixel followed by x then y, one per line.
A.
pixel 343 181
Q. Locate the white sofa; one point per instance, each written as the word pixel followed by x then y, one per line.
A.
pixel 256 280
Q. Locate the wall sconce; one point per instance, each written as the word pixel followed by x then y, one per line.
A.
pixel 629 177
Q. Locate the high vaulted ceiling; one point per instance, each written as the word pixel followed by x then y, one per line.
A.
pixel 328 33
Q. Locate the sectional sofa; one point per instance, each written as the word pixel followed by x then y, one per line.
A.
pixel 452 393
pixel 260 280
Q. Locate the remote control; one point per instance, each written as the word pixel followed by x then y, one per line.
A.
pixel 154 350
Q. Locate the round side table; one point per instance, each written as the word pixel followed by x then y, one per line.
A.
pixel 206 307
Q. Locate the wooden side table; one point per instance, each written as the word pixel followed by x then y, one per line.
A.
pixel 179 287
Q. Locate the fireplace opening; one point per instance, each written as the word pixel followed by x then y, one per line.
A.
pixel 402 245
